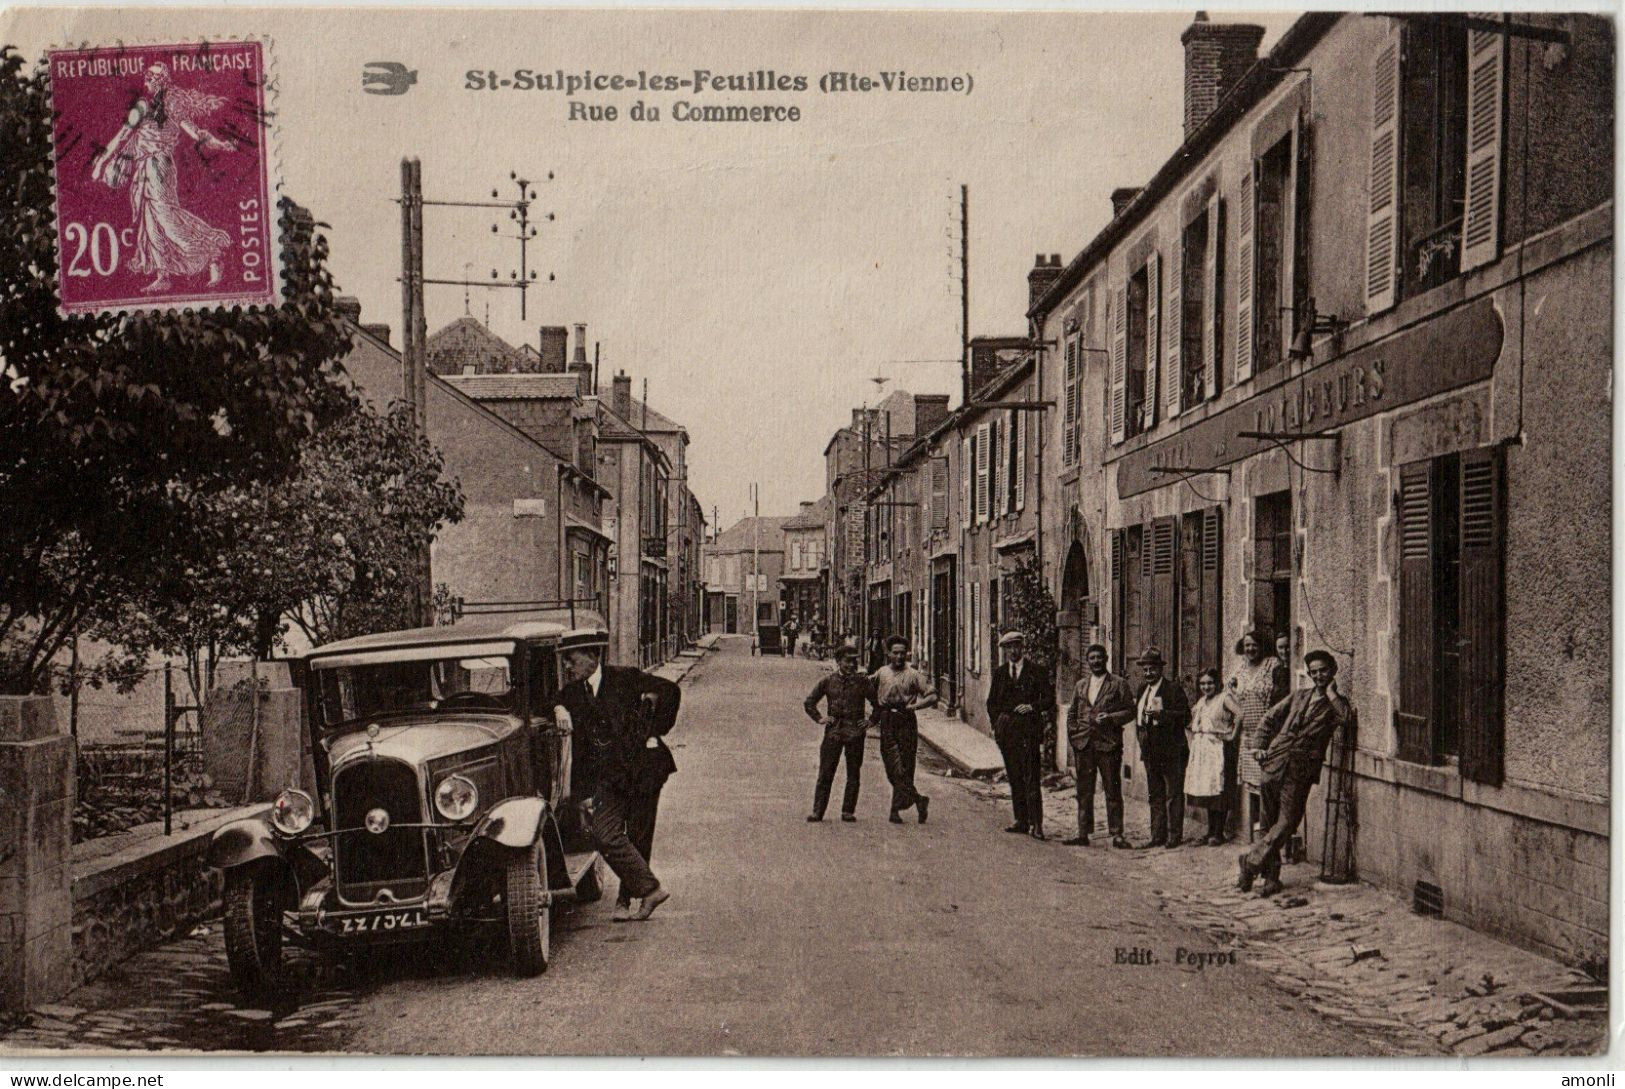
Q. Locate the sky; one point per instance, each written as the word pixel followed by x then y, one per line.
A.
pixel 757 276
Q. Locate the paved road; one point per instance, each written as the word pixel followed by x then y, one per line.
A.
pixel 784 938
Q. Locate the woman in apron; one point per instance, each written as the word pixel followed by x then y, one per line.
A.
pixel 1214 723
pixel 1254 687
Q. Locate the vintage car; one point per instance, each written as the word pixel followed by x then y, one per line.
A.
pixel 441 801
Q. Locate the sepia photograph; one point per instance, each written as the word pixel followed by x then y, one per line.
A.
pixel 749 533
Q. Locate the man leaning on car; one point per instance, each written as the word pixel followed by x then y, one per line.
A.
pixel 618 715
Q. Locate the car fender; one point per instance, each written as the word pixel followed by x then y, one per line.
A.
pixel 514 822
pixel 241 842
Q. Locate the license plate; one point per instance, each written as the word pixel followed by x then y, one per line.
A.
pixel 382 921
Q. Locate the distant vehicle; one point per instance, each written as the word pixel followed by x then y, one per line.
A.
pixel 442 803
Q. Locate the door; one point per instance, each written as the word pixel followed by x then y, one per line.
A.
pixel 730 623
pixel 944 623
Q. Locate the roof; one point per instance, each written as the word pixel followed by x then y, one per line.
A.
pixel 474 628
pixel 765 533
pixel 1261 78
pixel 465 344
pixel 515 387
pixel 814 517
pixel 654 421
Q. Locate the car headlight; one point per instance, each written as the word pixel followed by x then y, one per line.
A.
pixel 292 812
pixel 456 798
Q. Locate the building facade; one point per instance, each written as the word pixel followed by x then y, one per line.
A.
pixel 743 568
pixel 804 583
pixel 1336 371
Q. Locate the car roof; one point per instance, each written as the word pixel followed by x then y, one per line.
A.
pixel 465 631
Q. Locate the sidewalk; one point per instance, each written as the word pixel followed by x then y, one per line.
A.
pixel 686 661
pixel 1355 953
pixel 965 747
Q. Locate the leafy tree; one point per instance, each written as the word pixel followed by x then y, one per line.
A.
pixel 1030 607
pixel 118 434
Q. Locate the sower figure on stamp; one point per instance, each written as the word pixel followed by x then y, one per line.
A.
pixel 1162 713
pixel 1102 704
pixel 847 695
pixel 900 690
pixel 1292 745
pixel 1020 701
pixel 614 761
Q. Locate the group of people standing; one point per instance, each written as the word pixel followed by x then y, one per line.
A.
pixel 1249 730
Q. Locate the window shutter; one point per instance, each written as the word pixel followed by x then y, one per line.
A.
pixel 1483 529
pixel 1118 387
pixel 939 495
pixel 1486 94
pixel 1212 299
pixel 1069 419
pixel 966 467
pixel 980 484
pixel 1303 143
pixel 995 469
pixel 1247 210
pixel 1174 328
pixel 1382 219
pixel 1164 552
pixel 1414 715
pixel 1119 597
pixel 1153 342
pixel 1213 588
pixel 1021 460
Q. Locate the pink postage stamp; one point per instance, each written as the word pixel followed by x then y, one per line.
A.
pixel 163 186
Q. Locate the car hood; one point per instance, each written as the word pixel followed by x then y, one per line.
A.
pixel 419 740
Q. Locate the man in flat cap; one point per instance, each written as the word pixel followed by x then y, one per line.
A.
pixel 847 696
pixel 1021 700
pixel 1292 741
pixel 1161 713
pixel 1102 704
pixel 619 715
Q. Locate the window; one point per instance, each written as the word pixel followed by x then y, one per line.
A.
pixel 1196 339
pixel 1451 634
pixel 1272 563
pixel 1136 340
pixel 1134 405
pixel 1167 592
pixel 1272 294
pixel 1438 101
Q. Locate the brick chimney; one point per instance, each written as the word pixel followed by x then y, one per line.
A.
pixel 553 342
pixel 930 409
pixel 1045 271
pixel 621 400
pixel 582 368
pixel 379 330
pixel 349 307
pixel 1217 55
pixel 1121 197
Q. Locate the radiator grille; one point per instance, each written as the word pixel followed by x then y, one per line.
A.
pixel 365 862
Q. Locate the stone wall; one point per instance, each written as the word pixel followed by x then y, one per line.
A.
pixel 36 803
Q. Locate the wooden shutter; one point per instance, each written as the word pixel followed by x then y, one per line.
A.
pixel 1174 320
pixel 1382 215
pixel 1164 553
pixel 1119 598
pixel 1213 299
pixel 939 495
pixel 980 483
pixel 1213 588
pixel 1247 211
pixel 1486 96
pixel 1303 174
pixel 995 468
pixel 1117 392
pixel 1153 341
pixel 1483 531
pixel 1188 595
pixel 1414 714
pixel 1021 459
pixel 965 466
pixel 1069 425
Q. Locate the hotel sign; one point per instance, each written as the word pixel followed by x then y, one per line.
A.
pixel 1453 350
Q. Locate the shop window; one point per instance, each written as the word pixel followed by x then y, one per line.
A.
pixel 1451 628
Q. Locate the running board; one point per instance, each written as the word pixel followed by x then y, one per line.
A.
pixel 577 866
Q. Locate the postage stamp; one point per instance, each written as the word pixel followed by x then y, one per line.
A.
pixel 163 177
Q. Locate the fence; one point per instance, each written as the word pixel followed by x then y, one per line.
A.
pixel 156 749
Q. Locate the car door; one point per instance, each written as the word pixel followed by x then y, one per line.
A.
pixel 553 748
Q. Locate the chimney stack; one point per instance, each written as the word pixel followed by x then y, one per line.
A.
pixel 380 330
pixel 581 367
pixel 930 409
pixel 581 346
pixel 1121 197
pixel 348 307
pixel 1217 55
pixel 1045 271
pixel 621 400
pixel 554 341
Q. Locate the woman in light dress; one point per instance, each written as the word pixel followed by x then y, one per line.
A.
pixel 1256 687
pixel 1215 722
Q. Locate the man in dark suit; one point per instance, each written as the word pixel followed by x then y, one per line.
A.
pixel 1161 715
pixel 1021 700
pixel 619 716
pixel 1102 704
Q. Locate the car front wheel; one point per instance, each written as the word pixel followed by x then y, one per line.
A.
pixel 530 920
pixel 253 902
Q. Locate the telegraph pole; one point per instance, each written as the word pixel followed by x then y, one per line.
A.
pixel 755 552
pixel 964 294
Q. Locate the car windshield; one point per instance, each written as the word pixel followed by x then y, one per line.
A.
pixel 347 693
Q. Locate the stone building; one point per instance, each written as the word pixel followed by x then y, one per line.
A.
pixel 743 565
pixel 1337 370
pixel 804 583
